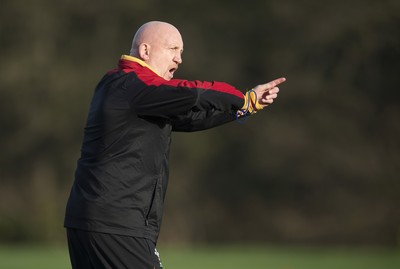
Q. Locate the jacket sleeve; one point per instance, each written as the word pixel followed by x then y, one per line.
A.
pixel 201 120
pixel 194 104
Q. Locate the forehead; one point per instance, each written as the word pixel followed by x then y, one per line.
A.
pixel 172 37
pixel 174 43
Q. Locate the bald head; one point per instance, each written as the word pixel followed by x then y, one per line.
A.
pixel 160 45
pixel 150 33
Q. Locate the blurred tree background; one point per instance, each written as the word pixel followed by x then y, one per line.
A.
pixel 320 166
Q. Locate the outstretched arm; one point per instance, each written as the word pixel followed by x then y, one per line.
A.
pixel 259 97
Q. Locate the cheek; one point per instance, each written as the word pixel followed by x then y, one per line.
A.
pixel 162 63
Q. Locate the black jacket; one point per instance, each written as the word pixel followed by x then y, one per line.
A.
pixel 122 174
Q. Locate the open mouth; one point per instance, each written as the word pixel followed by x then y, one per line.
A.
pixel 172 71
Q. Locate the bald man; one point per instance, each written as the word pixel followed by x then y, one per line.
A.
pixel 114 211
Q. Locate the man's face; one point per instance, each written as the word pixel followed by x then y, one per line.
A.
pixel 166 54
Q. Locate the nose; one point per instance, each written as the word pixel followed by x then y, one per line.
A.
pixel 178 58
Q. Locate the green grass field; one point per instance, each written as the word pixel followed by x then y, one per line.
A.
pixel 221 257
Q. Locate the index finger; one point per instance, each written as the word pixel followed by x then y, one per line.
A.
pixel 275 82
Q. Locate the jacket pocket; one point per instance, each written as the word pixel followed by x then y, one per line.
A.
pixel 154 213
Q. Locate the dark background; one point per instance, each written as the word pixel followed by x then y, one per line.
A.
pixel 319 166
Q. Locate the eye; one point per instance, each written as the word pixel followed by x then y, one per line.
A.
pixel 176 49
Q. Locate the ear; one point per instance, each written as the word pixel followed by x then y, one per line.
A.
pixel 144 51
